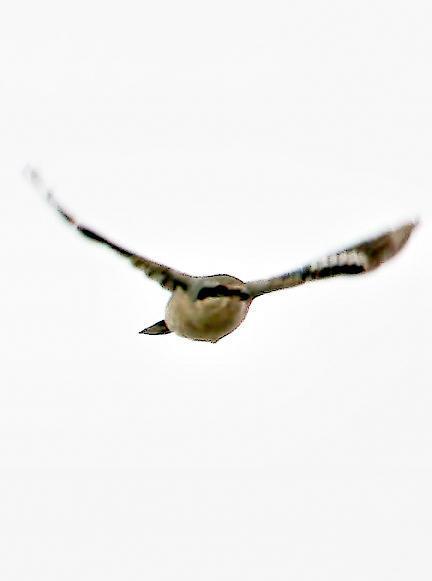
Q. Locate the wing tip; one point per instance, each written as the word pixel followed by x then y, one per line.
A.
pixel 402 234
pixel 34 177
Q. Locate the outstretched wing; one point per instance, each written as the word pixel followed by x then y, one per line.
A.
pixel 360 258
pixel 167 277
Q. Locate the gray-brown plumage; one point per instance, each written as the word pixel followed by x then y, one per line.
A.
pixel 207 308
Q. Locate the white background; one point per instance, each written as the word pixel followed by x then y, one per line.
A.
pixel 238 137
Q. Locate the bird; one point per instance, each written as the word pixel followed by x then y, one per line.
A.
pixel 208 308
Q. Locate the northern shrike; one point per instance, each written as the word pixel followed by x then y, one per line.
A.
pixel 206 308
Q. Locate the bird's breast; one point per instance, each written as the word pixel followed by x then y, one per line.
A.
pixel 204 320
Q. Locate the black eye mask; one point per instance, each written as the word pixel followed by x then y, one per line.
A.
pixel 221 291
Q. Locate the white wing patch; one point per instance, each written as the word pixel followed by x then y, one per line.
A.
pixel 345 258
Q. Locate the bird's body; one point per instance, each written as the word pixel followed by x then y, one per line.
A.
pixel 207 308
pixel 208 319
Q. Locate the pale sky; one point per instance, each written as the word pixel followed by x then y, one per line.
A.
pixel 235 137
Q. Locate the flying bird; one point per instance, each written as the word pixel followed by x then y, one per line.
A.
pixel 207 308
